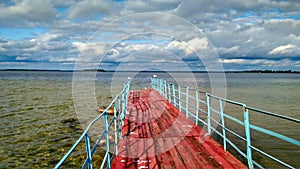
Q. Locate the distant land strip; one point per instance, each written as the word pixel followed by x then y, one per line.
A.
pixel 156 71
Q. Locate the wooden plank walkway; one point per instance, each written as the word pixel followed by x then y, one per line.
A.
pixel 157 135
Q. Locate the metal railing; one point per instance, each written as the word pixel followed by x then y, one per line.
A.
pixel 200 102
pixel 119 106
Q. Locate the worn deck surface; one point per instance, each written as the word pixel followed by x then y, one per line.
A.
pixel 157 135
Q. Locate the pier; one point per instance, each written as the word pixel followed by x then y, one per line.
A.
pixel 166 125
pixel 157 135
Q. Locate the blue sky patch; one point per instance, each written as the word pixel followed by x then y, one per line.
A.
pixel 20 33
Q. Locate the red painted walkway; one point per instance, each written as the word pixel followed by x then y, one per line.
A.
pixel 157 135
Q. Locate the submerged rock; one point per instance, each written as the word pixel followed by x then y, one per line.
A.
pixel 110 111
pixel 73 123
pixel 69 120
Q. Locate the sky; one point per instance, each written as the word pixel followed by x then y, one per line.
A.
pixel 154 34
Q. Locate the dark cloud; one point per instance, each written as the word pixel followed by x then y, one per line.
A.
pixel 28 13
pixel 133 6
pixel 64 3
pixel 89 9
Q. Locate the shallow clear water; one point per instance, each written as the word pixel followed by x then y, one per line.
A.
pixel 39 121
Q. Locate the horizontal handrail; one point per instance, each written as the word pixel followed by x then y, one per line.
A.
pixel 119 103
pixel 275 115
pixel 187 100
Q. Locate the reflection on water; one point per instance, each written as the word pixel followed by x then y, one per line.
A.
pixel 39 122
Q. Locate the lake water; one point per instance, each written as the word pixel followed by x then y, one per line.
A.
pixel 39 123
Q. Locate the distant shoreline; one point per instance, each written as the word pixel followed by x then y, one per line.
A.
pixel 101 70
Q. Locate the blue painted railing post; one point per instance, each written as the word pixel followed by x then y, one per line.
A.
pixel 88 151
pixel 107 138
pixel 165 87
pixel 179 97
pixel 127 95
pixel 187 102
pixel 156 85
pixel 169 93
pixel 223 124
pixel 119 118
pixel 160 86
pixel 174 95
pixel 208 114
pixel 153 83
pixel 122 108
pixel 197 107
pixel 116 130
pixel 248 136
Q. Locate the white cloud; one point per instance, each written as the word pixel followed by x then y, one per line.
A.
pixel 233 49
pixel 283 50
pixel 90 52
pixel 49 37
pixel 196 45
pixel 189 47
pixel 258 62
pixel 68 59
pixel 239 61
pixel 176 46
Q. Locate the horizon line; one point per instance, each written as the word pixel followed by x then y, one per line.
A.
pixel 160 71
